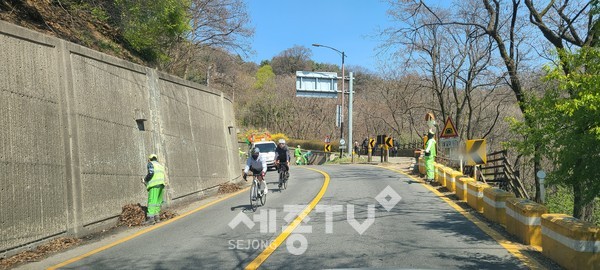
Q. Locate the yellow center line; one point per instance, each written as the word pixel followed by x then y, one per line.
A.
pixel 262 257
pixel 514 249
pixel 149 229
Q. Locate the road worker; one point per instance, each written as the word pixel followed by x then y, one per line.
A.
pixel 155 184
pixel 299 157
pixel 429 157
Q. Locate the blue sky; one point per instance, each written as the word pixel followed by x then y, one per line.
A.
pixel 342 24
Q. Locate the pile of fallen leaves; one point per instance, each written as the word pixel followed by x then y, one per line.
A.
pixel 228 188
pixel 164 215
pixel 135 215
pixel 39 252
pixel 132 215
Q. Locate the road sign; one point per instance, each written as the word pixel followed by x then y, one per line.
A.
pixel 327 139
pixel 371 143
pixel 449 142
pixel 328 148
pixel 389 142
pixel 342 141
pixel 381 139
pixel 342 147
pixel 476 152
pixel 316 84
pixel 430 119
pixel 449 130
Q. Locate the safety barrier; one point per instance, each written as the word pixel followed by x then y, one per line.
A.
pixel 523 220
pixel 451 176
pixel 461 187
pixel 475 195
pixel 439 174
pixel 494 206
pixel 422 166
pixel 570 242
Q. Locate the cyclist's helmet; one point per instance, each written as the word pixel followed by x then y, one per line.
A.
pixel 281 141
pixel 255 152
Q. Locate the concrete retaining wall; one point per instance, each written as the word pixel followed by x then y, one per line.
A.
pixel 71 151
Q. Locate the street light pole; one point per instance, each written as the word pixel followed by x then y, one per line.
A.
pixel 343 85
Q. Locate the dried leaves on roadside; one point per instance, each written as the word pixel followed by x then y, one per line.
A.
pixel 228 188
pixel 39 252
pixel 132 215
pixel 164 215
pixel 135 214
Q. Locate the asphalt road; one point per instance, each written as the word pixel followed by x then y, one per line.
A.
pixel 368 217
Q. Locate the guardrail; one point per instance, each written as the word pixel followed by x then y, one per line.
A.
pixel 572 243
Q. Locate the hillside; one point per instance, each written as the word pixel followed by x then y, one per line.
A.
pixel 81 23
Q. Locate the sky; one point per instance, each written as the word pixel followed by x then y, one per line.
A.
pixel 342 24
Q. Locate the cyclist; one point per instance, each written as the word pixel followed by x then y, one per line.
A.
pixel 258 166
pixel 282 159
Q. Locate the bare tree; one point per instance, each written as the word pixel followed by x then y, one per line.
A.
pixel 222 24
pixel 291 60
pixel 495 19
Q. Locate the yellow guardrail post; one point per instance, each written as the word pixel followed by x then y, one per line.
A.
pixel 494 206
pixel 461 187
pixel 570 242
pixel 475 195
pixel 451 176
pixel 524 220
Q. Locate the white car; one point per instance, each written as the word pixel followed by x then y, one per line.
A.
pixel 267 151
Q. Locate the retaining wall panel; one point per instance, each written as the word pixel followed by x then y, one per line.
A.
pixel 31 143
pixel 45 81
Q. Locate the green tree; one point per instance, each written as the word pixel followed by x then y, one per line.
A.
pixel 265 78
pixel 566 124
pixel 151 27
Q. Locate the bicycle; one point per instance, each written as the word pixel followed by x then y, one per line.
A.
pixel 283 176
pixel 256 196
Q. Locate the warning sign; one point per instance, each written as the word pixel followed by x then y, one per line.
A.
pixel 476 152
pixel 389 142
pixel 449 130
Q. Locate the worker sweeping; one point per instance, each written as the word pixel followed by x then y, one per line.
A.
pixel 300 159
pixel 155 184
pixel 430 156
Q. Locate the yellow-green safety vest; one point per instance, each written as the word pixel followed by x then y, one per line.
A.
pixel 158 178
pixel 431 144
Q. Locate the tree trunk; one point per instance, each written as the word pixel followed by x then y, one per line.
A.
pixel 582 210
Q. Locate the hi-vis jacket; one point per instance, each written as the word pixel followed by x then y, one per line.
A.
pixel 156 174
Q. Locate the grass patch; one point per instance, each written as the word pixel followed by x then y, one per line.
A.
pixel 559 200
